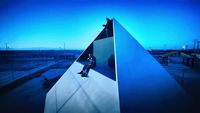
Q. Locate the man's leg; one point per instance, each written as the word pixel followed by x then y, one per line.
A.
pixel 85 66
pixel 86 70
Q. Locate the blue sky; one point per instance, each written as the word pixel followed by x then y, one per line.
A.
pixel 156 24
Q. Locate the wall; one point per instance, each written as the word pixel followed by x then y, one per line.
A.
pixel 103 49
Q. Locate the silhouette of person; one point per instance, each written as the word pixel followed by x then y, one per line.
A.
pixel 107 27
pixel 91 63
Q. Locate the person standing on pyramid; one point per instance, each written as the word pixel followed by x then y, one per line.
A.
pixel 108 26
pixel 91 63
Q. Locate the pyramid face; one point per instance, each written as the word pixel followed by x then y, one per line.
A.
pixel 93 94
pixel 144 85
pixel 126 79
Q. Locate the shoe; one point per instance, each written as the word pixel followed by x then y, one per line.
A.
pixel 84 75
pixel 80 72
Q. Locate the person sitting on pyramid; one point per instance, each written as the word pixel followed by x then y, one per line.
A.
pixel 91 63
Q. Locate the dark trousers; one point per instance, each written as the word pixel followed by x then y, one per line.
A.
pixel 86 69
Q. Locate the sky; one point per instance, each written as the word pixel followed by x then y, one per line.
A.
pixel 73 24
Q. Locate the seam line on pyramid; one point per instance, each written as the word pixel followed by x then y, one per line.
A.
pixel 98 111
pixel 73 92
pixel 69 97
pixel 56 98
pixel 116 74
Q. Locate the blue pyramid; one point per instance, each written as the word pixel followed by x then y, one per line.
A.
pixel 126 79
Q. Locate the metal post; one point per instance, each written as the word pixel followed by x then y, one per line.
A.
pixel 183 77
pixel 198 44
pixel 194 45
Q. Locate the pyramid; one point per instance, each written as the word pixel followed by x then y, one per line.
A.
pixel 126 79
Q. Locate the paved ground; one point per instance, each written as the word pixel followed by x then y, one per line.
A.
pixel 27 98
pixel 30 96
pixel 189 79
pixel 12 70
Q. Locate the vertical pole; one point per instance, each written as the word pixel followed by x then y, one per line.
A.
pixel 12 71
pixel 198 44
pixel 6 44
pixel 183 60
pixel 194 45
pixel 193 62
pixel 183 77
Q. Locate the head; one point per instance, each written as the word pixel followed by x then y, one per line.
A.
pixel 107 19
pixel 89 55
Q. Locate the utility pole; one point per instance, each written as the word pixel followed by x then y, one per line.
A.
pixel 64 46
pixel 6 44
pixel 198 45
pixel 194 44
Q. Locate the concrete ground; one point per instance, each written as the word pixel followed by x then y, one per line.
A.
pixel 12 70
pixel 27 98
pixel 188 78
pixel 30 96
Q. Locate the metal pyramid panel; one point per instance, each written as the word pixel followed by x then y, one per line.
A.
pixel 75 94
pixel 140 84
pixel 144 85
